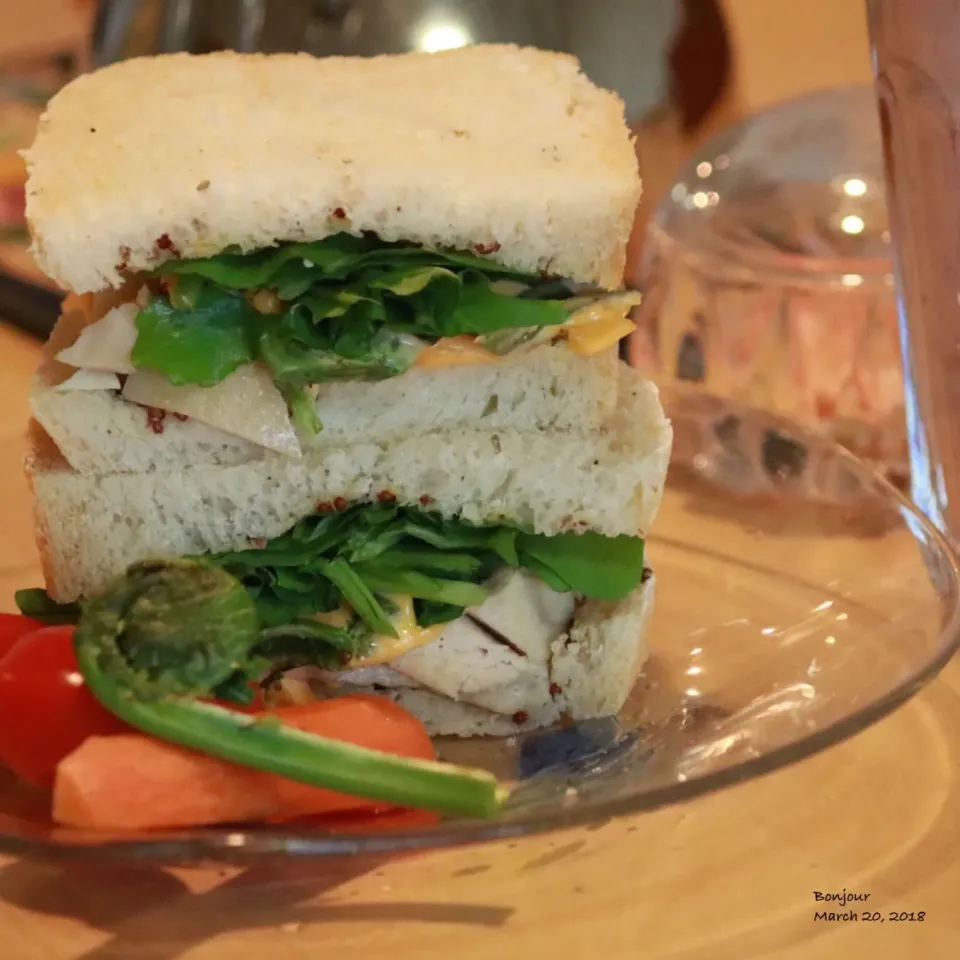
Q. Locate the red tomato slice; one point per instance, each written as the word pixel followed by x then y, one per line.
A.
pixel 46 710
pixel 13 626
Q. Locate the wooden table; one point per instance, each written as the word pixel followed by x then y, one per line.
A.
pixel 728 877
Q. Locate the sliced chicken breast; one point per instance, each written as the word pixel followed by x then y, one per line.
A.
pixel 497 656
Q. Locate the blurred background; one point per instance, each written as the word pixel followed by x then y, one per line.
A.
pixel 761 242
pixel 686 68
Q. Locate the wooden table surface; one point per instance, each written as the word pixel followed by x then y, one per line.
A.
pixel 731 876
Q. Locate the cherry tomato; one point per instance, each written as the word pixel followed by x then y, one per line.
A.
pixel 13 626
pixel 46 710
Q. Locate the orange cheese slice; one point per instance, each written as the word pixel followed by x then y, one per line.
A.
pixel 588 339
pixel 454 352
pixel 409 636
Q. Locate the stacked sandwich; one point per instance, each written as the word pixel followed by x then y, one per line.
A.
pixel 348 329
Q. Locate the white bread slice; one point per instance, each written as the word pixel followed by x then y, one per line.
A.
pixel 496 148
pixel 90 528
pixel 547 388
pixel 595 665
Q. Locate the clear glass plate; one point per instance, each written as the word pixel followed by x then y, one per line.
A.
pixel 783 624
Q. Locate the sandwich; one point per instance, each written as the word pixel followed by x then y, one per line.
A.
pixel 347 330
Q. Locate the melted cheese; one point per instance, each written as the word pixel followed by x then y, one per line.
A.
pixel 454 352
pixel 335 618
pixel 409 636
pixel 588 339
pixel 600 325
pixel 589 331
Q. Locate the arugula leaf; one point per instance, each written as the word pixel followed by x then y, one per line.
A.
pixel 545 573
pixel 203 345
pixel 333 258
pixel 186 292
pixel 407 281
pixel 326 532
pixel 430 613
pixel 298 352
pixel 372 543
pixel 606 568
pixel 481 311
pixel 309 643
pixel 37 605
pixel 356 309
pixel 303 410
pixel 359 595
pixel 432 561
pixel 455 534
pixel 277 609
pixel 421 586
pixel 235 689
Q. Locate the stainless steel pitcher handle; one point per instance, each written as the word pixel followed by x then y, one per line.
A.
pixel 114 22
pixel 111 29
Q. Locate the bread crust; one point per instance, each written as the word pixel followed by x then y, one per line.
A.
pixel 508 151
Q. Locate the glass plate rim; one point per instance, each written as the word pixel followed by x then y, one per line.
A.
pixel 245 845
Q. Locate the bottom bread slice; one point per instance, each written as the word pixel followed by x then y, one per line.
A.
pixel 593 667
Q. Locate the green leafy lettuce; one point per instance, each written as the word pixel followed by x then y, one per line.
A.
pixel 361 556
pixel 345 307
pixel 201 344
pixel 36 604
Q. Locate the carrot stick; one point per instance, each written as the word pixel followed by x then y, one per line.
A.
pixel 134 782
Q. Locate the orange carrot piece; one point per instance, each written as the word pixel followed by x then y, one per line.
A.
pixel 133 782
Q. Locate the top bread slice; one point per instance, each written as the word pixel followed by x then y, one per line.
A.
pixel 508 151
